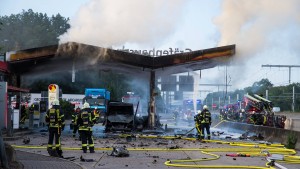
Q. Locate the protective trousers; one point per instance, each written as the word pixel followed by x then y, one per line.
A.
pixel 205 126
pixel 87 140
pixel 75 129
pixel 53 132
pixel 198 128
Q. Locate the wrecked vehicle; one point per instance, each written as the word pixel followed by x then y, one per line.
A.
pixel 121 117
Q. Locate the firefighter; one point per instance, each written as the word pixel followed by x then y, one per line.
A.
pixel 205 119
pixel 96 115
pixel 252 118
pixel 85 121
pixel 31 109
pixel 175 115
pixel 264 116
pixel 222 114
pixel 56 124
pixel 242 115
pixel 198 124
pixel 75 126
pixel 23 114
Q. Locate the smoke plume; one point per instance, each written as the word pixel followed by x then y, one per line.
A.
pixel 117 22
pixel 250 24
pixel 263 30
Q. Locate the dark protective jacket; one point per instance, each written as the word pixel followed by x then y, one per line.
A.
pixel 205 117
pixel 85 120
pixel 197 118
pixel 74 116
pixel 55 117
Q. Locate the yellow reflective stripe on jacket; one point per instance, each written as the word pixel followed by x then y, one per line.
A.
pixel 59 117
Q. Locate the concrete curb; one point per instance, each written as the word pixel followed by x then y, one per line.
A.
pixel 17 135
pixel 45 156
pixel 271 134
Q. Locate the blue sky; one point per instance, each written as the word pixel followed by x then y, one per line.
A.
pixel 263 33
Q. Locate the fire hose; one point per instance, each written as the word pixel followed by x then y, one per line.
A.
pixel 251 149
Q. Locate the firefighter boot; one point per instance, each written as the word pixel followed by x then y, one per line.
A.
pixel 59 153
pixel 84 149
pixel 208 137
pixel 92 150
pixel 49 149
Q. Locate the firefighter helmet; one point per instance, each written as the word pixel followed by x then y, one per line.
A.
pixel 86 105
pixel 55 102
pixel 205 107
pixel 243 110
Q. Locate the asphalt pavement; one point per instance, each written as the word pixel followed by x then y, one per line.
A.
pixel 145 150
pixel 38 161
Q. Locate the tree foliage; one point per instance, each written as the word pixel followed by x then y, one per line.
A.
pixel 259 87
pixel 115 83
pixel 67 108
pixel 282 96
pixel 30 29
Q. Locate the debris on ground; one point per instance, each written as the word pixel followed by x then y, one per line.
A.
pixel 86 160
pixel 162 143
pixel 26 140
pixel 228 137
pixel 44 130
pixel 244 135
pixel 131 138
pixel 143 144
pixel 257 137
pixel 72 158
pixel 238 155
pixel 217 133
pixel 120 152
pixel 174 147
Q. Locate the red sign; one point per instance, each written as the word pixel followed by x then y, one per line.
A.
pixel 52 87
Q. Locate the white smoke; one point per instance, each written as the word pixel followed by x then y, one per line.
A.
pixel 117 22
pixel 264 32
pixel 250 23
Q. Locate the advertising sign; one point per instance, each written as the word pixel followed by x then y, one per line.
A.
pixel 53 93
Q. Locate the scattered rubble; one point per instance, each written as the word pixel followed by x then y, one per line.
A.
pixel 120 152
pixel 26 140
pixel 86 160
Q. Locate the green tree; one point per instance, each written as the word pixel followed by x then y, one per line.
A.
pixel 281 96
pixel 259 87
pixel 67 108
pixel 30 29
pixel 117 84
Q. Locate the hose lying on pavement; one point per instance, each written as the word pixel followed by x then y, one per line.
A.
pixel 251 149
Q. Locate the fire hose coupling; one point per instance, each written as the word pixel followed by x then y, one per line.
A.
pixel 266 152
pixel 271 163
